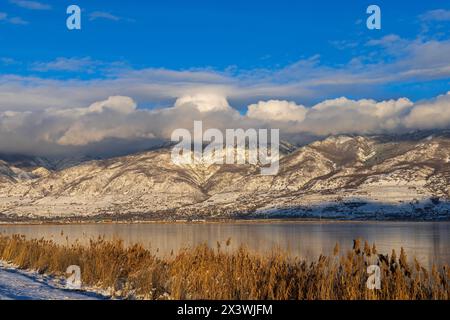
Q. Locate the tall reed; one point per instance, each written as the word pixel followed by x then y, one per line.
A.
pixel 213 273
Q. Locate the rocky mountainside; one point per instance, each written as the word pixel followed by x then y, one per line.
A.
pixel 346 177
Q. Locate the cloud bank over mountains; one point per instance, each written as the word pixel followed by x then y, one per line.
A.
pixel 117 122
pixel 380 62
pixel 83 105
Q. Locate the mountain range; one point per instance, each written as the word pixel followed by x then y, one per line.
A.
pixel 339 177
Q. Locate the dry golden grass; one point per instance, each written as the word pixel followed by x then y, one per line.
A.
pixel 206 273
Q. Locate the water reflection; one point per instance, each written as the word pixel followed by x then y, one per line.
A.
pixel 428 242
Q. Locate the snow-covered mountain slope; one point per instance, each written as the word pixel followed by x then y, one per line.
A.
pixel 343 177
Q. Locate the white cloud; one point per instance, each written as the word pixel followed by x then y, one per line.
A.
pixel 99 127
pixel 106 16
pixel 50 116
pixel 204 102
pixel 117 103
pixel 8 61
pixel 85 64
pixel 430 114
pixel 436 15
pixel 31 5
pixel 12 20
pixel 111 118
pixel 396 61
pixel 364 116
pixel 17 20
pixel 276 110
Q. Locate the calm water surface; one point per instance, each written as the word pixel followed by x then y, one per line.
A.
pixel 429 242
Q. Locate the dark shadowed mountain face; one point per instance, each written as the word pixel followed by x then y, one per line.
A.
pixel 348 177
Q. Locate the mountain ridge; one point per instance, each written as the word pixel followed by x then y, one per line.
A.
pixel 342 177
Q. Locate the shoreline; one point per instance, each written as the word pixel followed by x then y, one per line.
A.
pixel 216 221
pixel 49 286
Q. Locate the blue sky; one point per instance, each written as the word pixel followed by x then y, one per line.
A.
pixel 236 37
pixel 197 34
pixel 139 69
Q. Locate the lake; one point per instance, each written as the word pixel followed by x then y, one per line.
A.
pixel 429 242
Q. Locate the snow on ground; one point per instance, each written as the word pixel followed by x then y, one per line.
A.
pixel 20 285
